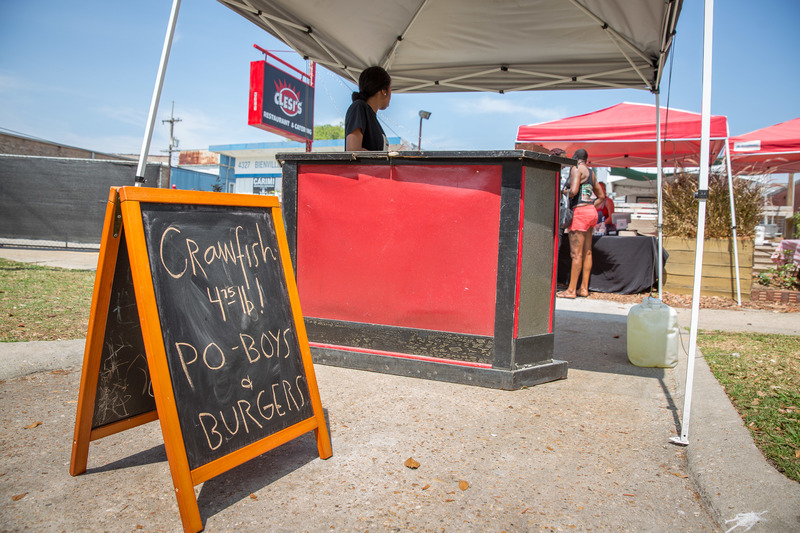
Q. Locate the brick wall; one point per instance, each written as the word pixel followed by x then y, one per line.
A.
pixel 16 145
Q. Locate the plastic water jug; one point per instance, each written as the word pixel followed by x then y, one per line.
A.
pixel 653 334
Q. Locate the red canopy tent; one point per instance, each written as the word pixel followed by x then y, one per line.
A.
pixel 624 135
pixel 774 149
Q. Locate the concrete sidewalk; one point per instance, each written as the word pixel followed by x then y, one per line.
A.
pixel 591 452
pixel 54 257
pixel 738 486
pixel 752 320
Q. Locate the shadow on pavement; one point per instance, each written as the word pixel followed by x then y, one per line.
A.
pixel 236 485
pixel 607 335
pixel 156 454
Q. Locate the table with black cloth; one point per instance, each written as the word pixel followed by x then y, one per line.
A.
pixel 621 265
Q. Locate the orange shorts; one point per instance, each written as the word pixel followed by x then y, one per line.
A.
pixel 584 218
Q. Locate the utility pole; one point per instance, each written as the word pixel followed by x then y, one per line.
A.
pixel 173 142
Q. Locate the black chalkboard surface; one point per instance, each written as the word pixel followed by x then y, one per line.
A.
pixel 196 322
pixel 124 388
pixel 229 336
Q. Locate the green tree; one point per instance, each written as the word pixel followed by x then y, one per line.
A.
pixel 325 132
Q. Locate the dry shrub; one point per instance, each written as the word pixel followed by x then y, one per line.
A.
pixel 680 206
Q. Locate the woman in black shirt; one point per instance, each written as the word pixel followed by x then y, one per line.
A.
pixel 362 131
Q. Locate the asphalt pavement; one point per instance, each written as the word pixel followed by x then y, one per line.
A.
pixel 591 452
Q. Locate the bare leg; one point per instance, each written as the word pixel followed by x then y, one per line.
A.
pixel 587 264
pixel 576 245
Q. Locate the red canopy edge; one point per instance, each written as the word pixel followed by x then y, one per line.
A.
pixel 624 135
pixel 774 149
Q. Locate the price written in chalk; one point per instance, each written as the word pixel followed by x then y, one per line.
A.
pixel 228 329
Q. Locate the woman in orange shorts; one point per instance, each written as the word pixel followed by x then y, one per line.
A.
pixel 582 184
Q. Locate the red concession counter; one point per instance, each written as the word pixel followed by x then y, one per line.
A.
pixel 439 265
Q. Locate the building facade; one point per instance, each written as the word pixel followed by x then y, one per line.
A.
pixel 252 168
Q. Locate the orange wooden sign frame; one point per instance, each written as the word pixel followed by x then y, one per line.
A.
pixel 124 212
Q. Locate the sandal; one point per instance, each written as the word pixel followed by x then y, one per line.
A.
pixel 563 294
pixel 583 293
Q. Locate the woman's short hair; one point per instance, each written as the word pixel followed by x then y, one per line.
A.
pixel 372 80
pixel 580 153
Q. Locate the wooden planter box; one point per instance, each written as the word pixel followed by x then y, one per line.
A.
pixel 719 269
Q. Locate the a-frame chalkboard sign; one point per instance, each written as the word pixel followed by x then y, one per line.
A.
pixel 196 322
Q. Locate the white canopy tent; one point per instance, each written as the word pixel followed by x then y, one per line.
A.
pixel 467 45
pixel 473 45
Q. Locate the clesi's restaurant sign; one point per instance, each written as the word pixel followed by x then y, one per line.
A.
pixel 280 103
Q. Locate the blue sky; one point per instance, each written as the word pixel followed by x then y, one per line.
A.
pixel 82 74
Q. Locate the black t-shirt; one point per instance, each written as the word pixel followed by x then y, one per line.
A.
pixel 361 115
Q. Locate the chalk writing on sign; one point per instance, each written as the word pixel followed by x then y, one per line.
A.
pixel 124 388
pixel 229 333
pixel 123 378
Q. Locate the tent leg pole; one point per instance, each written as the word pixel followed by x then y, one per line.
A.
pixel 705 149
pixel 733 223
pixel 162 68
pixel 659 201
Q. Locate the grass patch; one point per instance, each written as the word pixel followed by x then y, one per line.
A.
pixel 761 375
pixel 43 303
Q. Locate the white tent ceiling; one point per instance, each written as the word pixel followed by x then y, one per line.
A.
pixel 479 45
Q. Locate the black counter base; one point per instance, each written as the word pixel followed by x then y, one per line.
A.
pixel 492 378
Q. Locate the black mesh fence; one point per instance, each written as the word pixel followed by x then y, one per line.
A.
pixel 56 200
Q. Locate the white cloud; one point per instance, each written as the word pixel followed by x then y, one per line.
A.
pixel 130 116
pixel 108 144
pixel 508 105
pixel 328 118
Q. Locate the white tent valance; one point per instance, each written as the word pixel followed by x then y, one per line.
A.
pixel 475 45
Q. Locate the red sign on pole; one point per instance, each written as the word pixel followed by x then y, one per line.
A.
pixel 280 103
